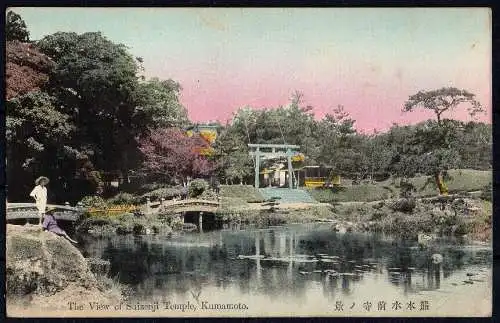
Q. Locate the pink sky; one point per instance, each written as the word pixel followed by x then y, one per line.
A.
pixel 371 73
pixel 368 60
pixel 374 101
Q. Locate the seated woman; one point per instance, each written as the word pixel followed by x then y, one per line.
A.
pixel 50 224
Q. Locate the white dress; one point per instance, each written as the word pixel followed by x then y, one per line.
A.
pixel 40 195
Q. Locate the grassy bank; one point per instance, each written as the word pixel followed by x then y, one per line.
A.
pixel 424 218
pixel 461 180
pixel 247 193
pixel 314 213
pixel 242 203
pixel 126 223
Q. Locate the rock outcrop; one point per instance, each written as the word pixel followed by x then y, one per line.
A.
pixel 40 262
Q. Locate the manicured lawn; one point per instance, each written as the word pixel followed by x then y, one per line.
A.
pixel 245 192
pixel 461 180
pixel 364 193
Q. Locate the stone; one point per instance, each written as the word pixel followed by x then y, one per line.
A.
pixel 437 258
pixel 43 263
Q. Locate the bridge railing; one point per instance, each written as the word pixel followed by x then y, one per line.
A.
pixel 154 207
pixel 67 212
pixel 113 210
pixel 29 211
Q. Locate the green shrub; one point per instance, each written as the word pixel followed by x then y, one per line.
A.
pixel 93 202
pixel 405 205
pixel 126 217
pixel 463 227
pixel 165 192
pixel 197 187
pixel 487 193
pixel 378 215
pixel 152 187
pixel 172 220
pixel 208 195
pixel 123 198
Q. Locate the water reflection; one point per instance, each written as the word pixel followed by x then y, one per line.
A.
pixel 278 262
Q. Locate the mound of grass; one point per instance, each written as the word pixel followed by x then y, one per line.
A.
pixel 233 203
pixel 361 193
pixel 469 180
pixel 245 192
pixel 461 180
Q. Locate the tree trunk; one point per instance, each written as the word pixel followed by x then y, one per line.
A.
pixel 443 190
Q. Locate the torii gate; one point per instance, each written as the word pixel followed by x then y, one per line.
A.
pixel 271 151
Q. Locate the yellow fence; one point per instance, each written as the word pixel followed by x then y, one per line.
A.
pixel 114 210
pixel 313 182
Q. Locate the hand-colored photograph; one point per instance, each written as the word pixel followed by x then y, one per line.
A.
pixel 248 162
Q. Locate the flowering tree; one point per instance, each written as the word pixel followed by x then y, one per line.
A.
pixel 26 69
pixel 171 152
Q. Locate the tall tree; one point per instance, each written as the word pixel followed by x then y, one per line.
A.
pixel 339 142
pixel 378 155
pixel 475 146
pixel 442 100
pixel 231 152
pixel 95 81
pixel 436 138
pixel 171 152
pixel 15 28
pixel 37 137
pixel 158 106
pixel 26 69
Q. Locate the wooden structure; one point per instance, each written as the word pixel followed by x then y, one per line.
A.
pixel 319 176
pixel 16 211
pixel 200 208
pixel 113 210
pixel 181 206
pixel 272 151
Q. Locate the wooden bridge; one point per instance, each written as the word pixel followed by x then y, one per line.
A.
pixel 19 211
pixel 28 211
pixel 181 206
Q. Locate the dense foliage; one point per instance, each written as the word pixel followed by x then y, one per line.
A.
pixel 78 109
pixel 75 105
pixel 170 151
pixel 15 28
pixel 424 148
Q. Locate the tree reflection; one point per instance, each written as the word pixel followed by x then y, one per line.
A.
pixel 280 262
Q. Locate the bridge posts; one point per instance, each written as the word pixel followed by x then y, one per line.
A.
pixel 148 205
pixel 200 221
pixel 257 167
pixel 290 169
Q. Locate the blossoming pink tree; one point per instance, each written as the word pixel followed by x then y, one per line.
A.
pixel 171 152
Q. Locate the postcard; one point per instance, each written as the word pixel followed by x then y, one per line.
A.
pixel 248 162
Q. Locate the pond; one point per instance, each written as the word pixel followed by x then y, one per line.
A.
pixel 296 270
